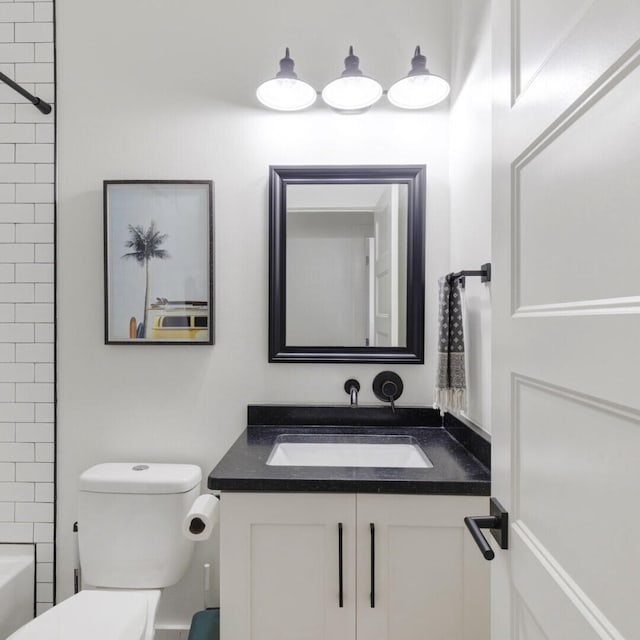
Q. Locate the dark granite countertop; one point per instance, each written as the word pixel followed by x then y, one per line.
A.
pixel 456 470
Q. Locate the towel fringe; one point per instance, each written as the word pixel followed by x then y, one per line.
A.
pixel 450 400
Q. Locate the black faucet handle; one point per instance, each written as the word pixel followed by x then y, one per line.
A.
pixel 388 387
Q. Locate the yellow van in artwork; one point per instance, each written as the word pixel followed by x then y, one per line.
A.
pixel 179 327
pixel 174 321
pixel 179 320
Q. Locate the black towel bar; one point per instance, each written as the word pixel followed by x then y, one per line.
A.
pixel 484 273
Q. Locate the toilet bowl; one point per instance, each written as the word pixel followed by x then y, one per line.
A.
pixel 97 615
pixel 131 546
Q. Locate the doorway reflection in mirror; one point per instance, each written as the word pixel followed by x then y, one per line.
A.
pixel 346 255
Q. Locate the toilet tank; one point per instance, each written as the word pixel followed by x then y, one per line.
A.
pixel 130 523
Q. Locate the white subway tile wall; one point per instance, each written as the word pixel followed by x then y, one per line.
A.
pixel 27 170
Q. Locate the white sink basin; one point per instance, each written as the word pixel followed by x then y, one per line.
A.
pixel 397 452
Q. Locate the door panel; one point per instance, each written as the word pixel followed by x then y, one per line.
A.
pixel 434 576
pixel 280 566
pixel 430 580
pixel 539 28
pixel 566 332
pixel 569 452
pixel 289 580
pixel 573 183
pixel 560 608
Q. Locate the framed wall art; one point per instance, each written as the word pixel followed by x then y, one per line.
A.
pixel 158 254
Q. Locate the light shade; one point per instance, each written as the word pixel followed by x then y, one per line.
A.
pixel 286 92
pixel 352 92
pixel 419 89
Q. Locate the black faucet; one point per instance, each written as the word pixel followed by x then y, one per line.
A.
pixel 352 386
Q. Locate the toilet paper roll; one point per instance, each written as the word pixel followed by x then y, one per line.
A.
pixel 201 518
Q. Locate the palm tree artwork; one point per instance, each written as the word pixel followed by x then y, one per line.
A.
pixel 145 246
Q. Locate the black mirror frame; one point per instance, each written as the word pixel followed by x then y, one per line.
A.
pixel 414 176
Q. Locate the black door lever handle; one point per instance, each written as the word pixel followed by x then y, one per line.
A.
pixel 497 522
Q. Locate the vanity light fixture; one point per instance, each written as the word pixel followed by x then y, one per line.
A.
pixel 353 92
pixel 286 92
pixel 420 88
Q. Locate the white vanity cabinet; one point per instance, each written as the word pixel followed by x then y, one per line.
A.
pixel 280 567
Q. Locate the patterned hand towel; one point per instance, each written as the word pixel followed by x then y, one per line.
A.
pixel 450 392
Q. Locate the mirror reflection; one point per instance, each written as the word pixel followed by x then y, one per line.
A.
pixel 346 256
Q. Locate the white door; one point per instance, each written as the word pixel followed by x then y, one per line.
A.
pixel 566 299
pixel 386 269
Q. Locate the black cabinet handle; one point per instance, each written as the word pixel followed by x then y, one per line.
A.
pixel 372 529
pixel 497 522
pixel 340 582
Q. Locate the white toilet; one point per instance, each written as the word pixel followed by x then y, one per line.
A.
pixel 131 546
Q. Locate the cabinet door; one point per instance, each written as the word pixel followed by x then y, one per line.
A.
pixel 279 566
pixel 430 581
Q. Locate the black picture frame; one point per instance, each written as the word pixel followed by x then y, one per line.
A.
pixel 159 262
pixel 280 177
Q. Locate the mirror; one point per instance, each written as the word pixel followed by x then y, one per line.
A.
pixel 346 276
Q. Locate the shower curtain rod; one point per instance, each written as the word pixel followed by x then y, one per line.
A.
pixel 39 104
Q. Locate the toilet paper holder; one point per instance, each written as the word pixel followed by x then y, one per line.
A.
pixel 201 517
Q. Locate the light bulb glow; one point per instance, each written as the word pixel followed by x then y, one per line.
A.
pixel 418 91
pixel 286 94
pixel 352 92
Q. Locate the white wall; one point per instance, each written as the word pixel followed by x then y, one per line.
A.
pixel 26 287
pixel 470 179
pixel 165 90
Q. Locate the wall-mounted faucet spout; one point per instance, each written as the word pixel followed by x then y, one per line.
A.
pixel 352 386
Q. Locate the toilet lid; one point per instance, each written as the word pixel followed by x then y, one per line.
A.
pixel 94 615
